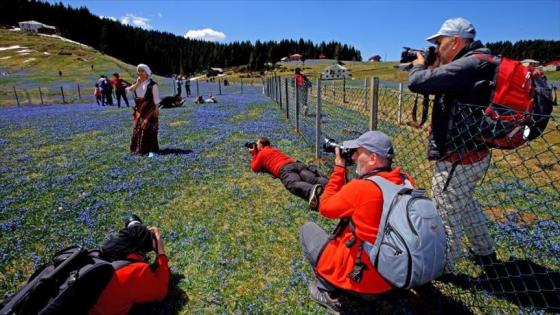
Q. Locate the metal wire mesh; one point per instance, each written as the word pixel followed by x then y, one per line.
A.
pixel 516 200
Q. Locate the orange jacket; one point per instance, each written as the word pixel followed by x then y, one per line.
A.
pixel 135 283
pixel 362 201
pixel 271 160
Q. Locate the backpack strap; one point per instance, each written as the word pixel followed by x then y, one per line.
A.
pixel 118 264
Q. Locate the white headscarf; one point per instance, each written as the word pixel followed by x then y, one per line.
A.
pixel 145 68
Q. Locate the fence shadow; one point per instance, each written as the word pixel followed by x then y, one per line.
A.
pixel 422 300
pixel 176 151
pixel 173 303
pixel 519 281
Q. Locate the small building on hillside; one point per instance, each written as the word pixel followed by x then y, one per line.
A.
pixel 295 57
pixel 36 27
pixel 334 72
pixel 530 62
pixel 322 56
pixel 374 58
pixel 553 65
pixel 212 72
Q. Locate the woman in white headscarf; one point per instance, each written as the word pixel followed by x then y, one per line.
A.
pixel 146 112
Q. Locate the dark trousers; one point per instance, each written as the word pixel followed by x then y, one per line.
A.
pixel 122 94
pixel 188 90
pixel 299 179
pixel 108 97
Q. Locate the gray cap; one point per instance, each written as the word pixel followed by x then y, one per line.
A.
pixel 373 141
pixel 454 27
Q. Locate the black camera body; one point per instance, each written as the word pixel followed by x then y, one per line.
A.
pixel 409 55
pixel 330 144
pixel 131 220
pixel 250 145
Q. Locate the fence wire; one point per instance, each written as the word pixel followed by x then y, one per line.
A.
pixel 516 200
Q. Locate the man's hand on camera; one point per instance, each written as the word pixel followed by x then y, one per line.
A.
pixel 420 60
pixel 158 246
pixel 339 160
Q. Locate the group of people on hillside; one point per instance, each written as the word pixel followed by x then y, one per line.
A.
pixel 339 260
pixel 179 80
pixel 104 88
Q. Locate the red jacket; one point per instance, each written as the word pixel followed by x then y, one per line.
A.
pixel 135 283
pixel 299 80
pixel 271 160
pixel 362 201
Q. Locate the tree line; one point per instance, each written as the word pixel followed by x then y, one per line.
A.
pixel 540 50
pixel 166 53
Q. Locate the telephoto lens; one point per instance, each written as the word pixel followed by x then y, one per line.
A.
pixel 132 220
pixel 330 144
pixel 250 145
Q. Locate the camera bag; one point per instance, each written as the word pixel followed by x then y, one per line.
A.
pixel 410 247
pixel 70 284
pixel 520 104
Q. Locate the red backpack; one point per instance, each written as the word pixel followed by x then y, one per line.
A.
pixel 520 105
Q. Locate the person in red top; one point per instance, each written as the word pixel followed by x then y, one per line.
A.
pixel 120 86
pixel 302 89
pixel 302 180
pixel 334 257
pixel 138 282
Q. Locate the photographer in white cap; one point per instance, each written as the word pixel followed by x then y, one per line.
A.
pixel 338 261
pixel 460 79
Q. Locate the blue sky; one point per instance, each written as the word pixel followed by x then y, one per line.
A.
pixel 380 27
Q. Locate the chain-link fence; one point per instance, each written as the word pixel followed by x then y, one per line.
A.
pixel 509 205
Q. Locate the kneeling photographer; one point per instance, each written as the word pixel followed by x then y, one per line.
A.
pixel 340 262
pixel 135 280
pixel 302 180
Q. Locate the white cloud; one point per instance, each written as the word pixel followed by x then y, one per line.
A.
pixel 159 14
pixel 112 18
pixel 138 21
pixel 206 34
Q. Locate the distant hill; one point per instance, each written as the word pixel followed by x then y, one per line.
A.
pixel 166 53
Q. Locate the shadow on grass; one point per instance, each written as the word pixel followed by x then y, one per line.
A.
pixel 169 151
pixel 422 300
pixel 521 282
pixel 173 303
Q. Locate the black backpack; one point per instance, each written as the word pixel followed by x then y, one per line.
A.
pixel 70 284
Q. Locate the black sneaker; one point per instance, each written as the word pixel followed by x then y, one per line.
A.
pixel 314 197
pixel 324 298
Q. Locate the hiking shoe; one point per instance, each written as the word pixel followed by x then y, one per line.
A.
pixel 314 197
pixel 324 298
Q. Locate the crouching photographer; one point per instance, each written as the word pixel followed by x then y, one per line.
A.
pixel 302 180
pixel 135 280
pixel 340 262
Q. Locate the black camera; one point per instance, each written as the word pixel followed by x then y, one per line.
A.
pixel 132 220
pixel 409 55
pixel 330 144
pixel 250 145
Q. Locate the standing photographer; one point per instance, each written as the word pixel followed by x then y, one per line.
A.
pixel 138 282
pixel 300 179
pixel 461 80
pixel 338 260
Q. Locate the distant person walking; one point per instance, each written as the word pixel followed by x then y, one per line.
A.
pixel 188 86
pixel 102 83
pixel 119 84
pixel 146 112
pixel 179 85
pixel 97 93
pixel 302 84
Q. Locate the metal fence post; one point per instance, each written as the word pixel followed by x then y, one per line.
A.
pixel 297 106
pixel 28 97
pixel 219 87
pixel 241 86
pixel 79 92
pixel 318 121
pixel 333 87
pixel 279 89
pixel 41 95
pixel 344 89
pixel 15 93
pixel 62 92
pixel 400 103
pixel 287 99
pixel 197 90
pixel 374 99
pixel 366 93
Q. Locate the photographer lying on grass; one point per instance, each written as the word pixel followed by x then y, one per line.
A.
pixel 301 180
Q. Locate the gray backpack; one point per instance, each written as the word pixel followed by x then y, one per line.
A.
pixel 410 247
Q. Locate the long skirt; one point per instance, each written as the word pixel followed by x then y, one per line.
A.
pixel 144 140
